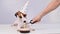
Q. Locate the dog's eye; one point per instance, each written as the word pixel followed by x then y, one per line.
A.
pixel 24 15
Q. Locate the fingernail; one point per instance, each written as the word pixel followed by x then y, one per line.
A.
pixel 31 22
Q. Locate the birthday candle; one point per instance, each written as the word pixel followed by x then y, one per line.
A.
pixel 24 7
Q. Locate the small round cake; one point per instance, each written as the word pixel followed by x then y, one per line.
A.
pixel 24 30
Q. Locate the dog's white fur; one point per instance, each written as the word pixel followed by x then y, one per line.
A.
pixel 19 21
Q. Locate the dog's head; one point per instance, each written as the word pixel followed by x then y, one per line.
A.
pixel 20 14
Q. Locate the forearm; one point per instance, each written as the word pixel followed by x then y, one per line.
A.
pixel 53 5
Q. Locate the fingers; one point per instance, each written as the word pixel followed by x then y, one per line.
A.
pixel 35 20
pixel 32 22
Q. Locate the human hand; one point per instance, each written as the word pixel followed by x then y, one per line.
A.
pixel 35 19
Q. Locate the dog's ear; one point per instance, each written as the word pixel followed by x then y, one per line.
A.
pixel 16 14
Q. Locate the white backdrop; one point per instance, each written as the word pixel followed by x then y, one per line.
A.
pixel 9 7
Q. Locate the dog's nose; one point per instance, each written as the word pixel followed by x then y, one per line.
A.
pixel 25 21
pixel 20 16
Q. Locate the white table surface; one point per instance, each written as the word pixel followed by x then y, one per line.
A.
pixel 39 29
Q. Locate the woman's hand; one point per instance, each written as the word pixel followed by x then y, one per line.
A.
pixel 35 19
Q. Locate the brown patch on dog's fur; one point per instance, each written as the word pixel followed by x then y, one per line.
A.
pixel 19 14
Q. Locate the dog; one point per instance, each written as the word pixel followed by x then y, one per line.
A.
pixel 21 17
